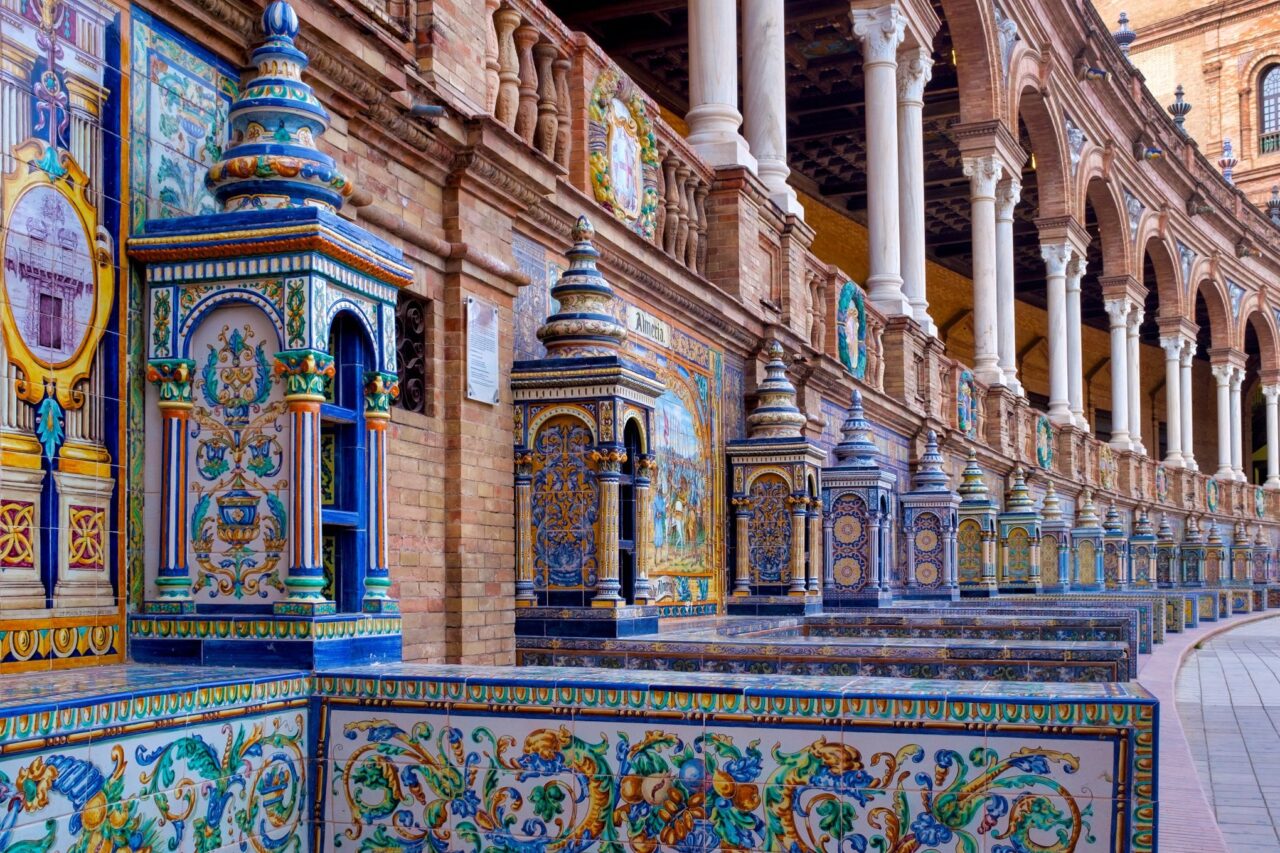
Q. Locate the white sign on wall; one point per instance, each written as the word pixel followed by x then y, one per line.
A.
pixel 648 326
pixel 482 350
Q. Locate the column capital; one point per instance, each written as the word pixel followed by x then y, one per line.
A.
pixel 172 378
pixel 1222 373
pixel 1008 194
pixel 1136 316
pixel 1117 309
pixel 881 30
pixel 1188 351
pixel 1075 270
pixel 984 174
pixel 1173 346
pixel 915 70
pixel 306 373
pixel 1237 378
pixel 1271 393
pixel 380 388
pixel 1056 256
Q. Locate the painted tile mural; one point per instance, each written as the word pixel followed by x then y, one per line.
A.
pixel 601 773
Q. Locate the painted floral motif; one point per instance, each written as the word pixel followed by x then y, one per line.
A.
pixel 769 530
pixel 928 546
pixel 17 519
pixel 851 329
pixel 1044 443
pixel 969 551
pixel 239 524
pixel 650 788
pixel 966 404
pixel 850 542
pixel 623 152
pixel 234 784
pixel 1017 567
pixel 565 505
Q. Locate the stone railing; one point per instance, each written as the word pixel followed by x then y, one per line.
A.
pixel 527 63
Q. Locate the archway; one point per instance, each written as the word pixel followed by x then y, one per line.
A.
pixel 1158 395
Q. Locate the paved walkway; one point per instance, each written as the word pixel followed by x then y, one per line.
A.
pixel 1228 696
pixel 1187 822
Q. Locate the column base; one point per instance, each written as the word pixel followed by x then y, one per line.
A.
pixel 1120 441
pixel 1060 416
pixel 884 291
pixel 1272 483
pixel 1174 460
pixel 304 608
pixel 161 606
pixel 989 375
pixel 380 605
pixel 787 201
pixel 1224 472
pixel 720 150
pixel 1082 423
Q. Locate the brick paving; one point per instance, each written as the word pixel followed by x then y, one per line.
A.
pixel 1187 815
pixel 1226 705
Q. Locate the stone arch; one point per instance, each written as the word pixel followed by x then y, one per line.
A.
pixel 1113 227
pixel 1219 310
pixel 1035 108
pixel 1264 326
pixel 629 416
pixel 1165 285
pixel 979 70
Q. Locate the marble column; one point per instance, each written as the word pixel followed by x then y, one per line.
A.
pixel 1188 437
pixel 915 67
pixel 1222 374
pixel 1237 435
pixel 1075 348
pixel 1118 312
pixel 984 173
pixel 1135 379
pixel 1271 393
pixel 380 389
pixel 713 115
pixel 880 31
pixel 1056 256
pixel 764 97
pixel 1172 347
pixel 173 380
pixel 1008 193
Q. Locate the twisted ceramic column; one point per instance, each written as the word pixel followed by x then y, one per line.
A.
pixel 525 596
pixel 608 470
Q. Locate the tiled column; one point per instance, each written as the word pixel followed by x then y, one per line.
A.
pixel 1075 349
pixel 645 466
pixel 1188 438
pixel 1118 313
pixel 1056 256
pixel 608 462
pixel 881 31
pixel 1222 373
pixel 379 390
pixel 742 565
pixel 307 374
pixel 915 67
pixel 984 173
pixel 525 596
pixel 1135 379
pixel 1237 436
pixel 816 545
pixel 799 520
pixel 1008 193
pixel 172 378
pixel 764 96
pixel 713 84
pixel 1172 346
pixel 1271 393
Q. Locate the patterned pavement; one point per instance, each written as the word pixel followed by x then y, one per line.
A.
pixel 1228 699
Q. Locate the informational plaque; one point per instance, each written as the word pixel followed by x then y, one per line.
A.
pixel 482 350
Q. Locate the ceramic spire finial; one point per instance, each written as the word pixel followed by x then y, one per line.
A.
pixel 776 414
pixel 1051 506
pixel 973 488
pixel 1019 497
pixel 1112 524
pixel 585 324
pixel 1142 523
pixel 1087 515
pixel 857 447
pixel 271 160
pixel 1165 531
pixel 929 475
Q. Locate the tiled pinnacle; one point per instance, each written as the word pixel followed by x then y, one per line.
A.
pixel 930 476
pixel 1113 524
pixel 1019 497
pixel 1165 531
pixel 585 324
pixel 973 488
pixel 1214 537
pixel 776 414
pixel 272 160
pixel 1051 507
pixel 1191 534
pixel 1142 524
pixel 1087 514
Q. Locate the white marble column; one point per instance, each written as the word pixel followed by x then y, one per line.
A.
pixel 881 31
pixel 1008 193
pixel 1056 256
pixel 1237 429
pixel 713 84
pixel 1118 312
pixel 1271 393
pixel 984 174
pixel 1135 379
pixel 1188 436
pixel 1172 347
pixel 764 97
pixel 915 67
pixel 1075 356
pixel 1222 373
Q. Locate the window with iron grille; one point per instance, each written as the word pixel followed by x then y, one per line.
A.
pixel 1269 106
pixel 411 351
